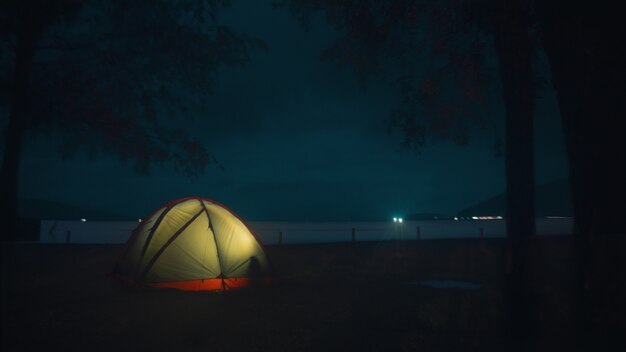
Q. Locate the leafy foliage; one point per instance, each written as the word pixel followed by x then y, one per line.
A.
pixel 117 76
pixel 433 49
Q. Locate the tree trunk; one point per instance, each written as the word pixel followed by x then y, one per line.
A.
pixel 586 60
pixel 560 41
pixel 513 48
pixel 26 41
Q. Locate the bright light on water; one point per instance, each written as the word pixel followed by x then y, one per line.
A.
pixel 395 219
pixel 83 220
pixel 400 220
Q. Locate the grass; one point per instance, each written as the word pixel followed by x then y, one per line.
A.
pixel 332 297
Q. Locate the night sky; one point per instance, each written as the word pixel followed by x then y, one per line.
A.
pixel 300 139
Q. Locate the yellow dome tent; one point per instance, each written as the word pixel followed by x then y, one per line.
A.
pixel 194 244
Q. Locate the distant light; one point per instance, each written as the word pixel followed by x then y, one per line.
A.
pixel 395 219
pixel 486 217
pixel 498 217
pixel 83 220
pixel 456 218
pixel 400 220
pixel 139 220
pixel 475 217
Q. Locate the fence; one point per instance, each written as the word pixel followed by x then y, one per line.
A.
pixel 302 232
pixel 94 232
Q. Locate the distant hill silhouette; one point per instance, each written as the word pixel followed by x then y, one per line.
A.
pixel 551 199
pixel 53 210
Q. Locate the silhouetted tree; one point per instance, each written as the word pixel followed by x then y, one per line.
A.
pixel 399 37
pixel 583 45
pixel 586 54
pixel 106 73
pixel 23 26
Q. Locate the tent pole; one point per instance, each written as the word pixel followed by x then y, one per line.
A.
pixel 217 247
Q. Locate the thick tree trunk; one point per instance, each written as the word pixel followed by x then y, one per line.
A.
pixel 586 58
pixel 513 49
pixel 560 40
pixel 25 47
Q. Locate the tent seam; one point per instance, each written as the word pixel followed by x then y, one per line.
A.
pixel 217 247
pixel 148 267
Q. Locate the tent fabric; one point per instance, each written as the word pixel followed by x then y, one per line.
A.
pixel 194 244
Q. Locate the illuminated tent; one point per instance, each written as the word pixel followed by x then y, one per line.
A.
pixel 193 244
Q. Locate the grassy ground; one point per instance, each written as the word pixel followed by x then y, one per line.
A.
pixel 335 297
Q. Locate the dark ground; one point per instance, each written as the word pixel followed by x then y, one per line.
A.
pixel 335 297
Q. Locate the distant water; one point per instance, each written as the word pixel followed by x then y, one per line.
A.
pixel 446 284
pixel 54 231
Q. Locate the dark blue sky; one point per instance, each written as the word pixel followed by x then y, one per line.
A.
pixel 300 139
